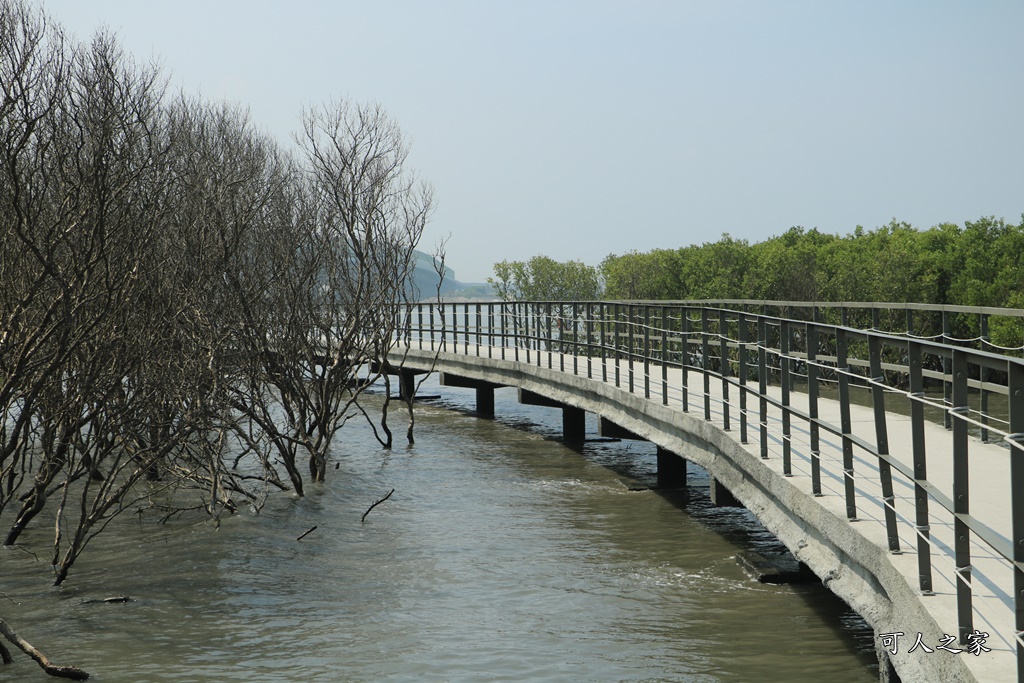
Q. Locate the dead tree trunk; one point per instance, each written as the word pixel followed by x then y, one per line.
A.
pixel 72 672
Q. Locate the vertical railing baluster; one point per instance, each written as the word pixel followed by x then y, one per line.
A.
pixel 525 330
pixel 961 496
pixel 542 332
pixel 921 519
pixel 882 441
pixel 575 338
pixel 947 385
pixel 723 352
pixel 664 357
pixel 504 328
pixel 1015 382
pixel 843 369
pixel 631 343
pixel 684 335
pixel 616 340
pixel 603 340
pixel 588 327
pixel 705 351
pixel 812 334
pixel 550 334
pixel 741 324
pixel 647 351
pixel 785 378
pixel 419 319
pixel 432 329
pixel 762 381
pixel 984 375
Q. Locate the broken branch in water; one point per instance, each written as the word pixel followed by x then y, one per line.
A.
pixel 308 532
pixel 116 598
pixel 363 519
pixel 72 672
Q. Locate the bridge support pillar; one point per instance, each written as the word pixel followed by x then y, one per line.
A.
pixel 485 401
pixel 574 420
pixel 722 497
pixel 671 470
pixel 484 391
pixel 610 430
pixel 407 384
pixel 574 424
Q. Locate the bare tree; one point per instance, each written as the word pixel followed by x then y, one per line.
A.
pixel 187 309
pixel 323 321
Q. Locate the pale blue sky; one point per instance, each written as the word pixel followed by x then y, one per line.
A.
pixel 578 129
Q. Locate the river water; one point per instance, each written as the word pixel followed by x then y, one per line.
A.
pixel 503 555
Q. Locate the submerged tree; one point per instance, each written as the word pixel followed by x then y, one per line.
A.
pixel 187 308
pixel 335 270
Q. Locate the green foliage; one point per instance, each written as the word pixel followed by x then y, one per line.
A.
pixel 544 279
pixel 654 275
pixel 979 264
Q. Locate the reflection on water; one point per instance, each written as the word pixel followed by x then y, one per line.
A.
pixel 501 556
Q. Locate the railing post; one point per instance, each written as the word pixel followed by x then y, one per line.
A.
pixel 684 335
pixel 479 329
pixel 616 331
pixel 921 519
pixel 723 352
pixel 1015 381
pixel 419 320
pixel 504 328
pixel 947 386
pixel 811 332
pixel 705 350
pixel 647 351
pixel 762 380
pixel 432 329
pixel 515 330
pixel 588 326
pixel 882 441
pixel 527 341
pixel 603 341
pixel 741 323
pixel 846 423
pixel 984 375
pixel 630 343
pixel 574 316
pixel 550 335
pixel 664 356
pixel 490 330
pixel 465 330
pixel 785 379
pixel 961 497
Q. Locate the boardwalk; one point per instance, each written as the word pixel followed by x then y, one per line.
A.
pixel 813 460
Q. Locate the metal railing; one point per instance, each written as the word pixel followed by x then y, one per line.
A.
pixel 758 357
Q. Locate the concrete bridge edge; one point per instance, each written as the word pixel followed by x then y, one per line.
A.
pixel 850 565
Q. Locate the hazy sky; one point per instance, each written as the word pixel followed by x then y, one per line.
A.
pixel 577 129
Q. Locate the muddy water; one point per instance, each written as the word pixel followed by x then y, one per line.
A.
pixel 502 556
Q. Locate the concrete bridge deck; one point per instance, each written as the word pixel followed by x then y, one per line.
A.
pixel 852 557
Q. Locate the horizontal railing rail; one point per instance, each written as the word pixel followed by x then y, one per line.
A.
pixel 675 351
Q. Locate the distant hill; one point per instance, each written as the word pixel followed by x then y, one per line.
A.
pixel 425 279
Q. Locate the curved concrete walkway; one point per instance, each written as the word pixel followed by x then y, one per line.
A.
pixel 851 558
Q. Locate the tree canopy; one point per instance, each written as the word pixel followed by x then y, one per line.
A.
pixel 544 279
